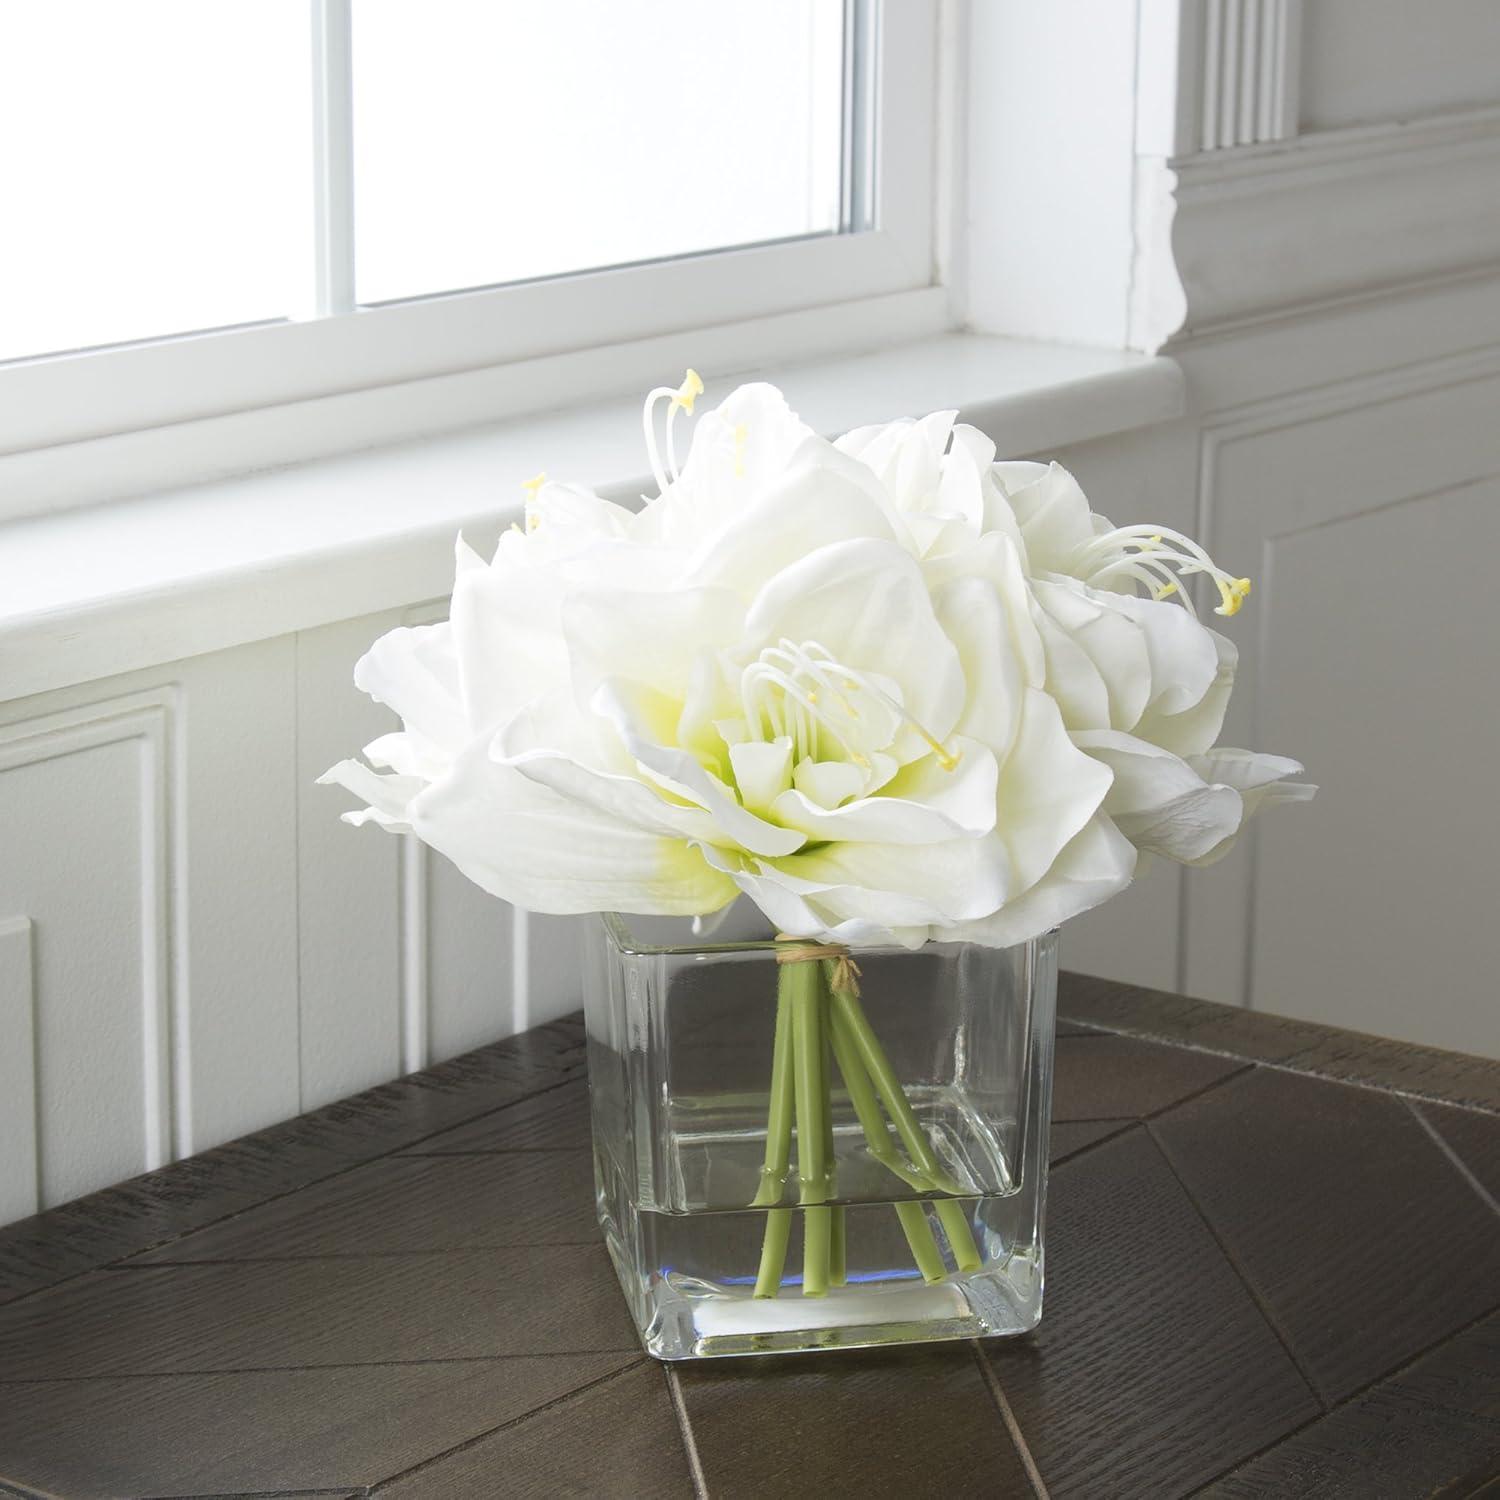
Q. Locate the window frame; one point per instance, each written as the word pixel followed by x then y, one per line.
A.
pixel 53 410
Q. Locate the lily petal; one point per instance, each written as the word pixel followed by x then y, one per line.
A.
pixel 628 709
pixel 1049 789
pixel 922 804
pixel 1159 802
pixel 1193 730
pixel 532 846
pixel 414 670
pixel 865 601
pixel 1184 656
pixel 762 770
pixel 652 638
pixel 1098 862
pixel 901 885
pixel 389 797
pixel 829 783
pixel 974 619
pixel 1051 509
pixel 825 498
pixel 1114 643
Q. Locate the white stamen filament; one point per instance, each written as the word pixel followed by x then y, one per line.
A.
pixel 780 689
pixel 1149 555
pixel 682 398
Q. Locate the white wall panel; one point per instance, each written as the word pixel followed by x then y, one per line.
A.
pixel 85 825
pixel 470 960
pixel 149 837
pixel 349 902
pixel 553 977
pixel 1363 61
pixel 237 871
pixel 1379 910
pixel 1303 477
pixel 20 1178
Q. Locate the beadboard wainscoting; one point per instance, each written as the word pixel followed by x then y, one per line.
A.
pixel 192 945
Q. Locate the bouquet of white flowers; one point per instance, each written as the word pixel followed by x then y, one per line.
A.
pixel 888 688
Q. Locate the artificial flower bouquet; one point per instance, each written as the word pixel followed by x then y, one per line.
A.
pixel 894 701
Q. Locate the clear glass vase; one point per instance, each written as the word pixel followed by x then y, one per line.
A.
pixel 799 1147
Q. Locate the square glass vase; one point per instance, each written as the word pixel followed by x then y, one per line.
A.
pixel 799 1147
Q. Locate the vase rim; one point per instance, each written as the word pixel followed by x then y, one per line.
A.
pixel 618 928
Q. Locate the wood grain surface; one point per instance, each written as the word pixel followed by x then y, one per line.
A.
pixel 1343 1215
pixel 1148 1337
pixel 1273 1270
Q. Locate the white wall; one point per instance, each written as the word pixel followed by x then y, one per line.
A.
pixel 1364 62
pixel 1341 339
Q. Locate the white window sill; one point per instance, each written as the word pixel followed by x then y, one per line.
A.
pixel 90 593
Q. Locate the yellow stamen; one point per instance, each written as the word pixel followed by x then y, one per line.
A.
pixel 1166 591
pixel 531 486
pixel 532 522
pixel 947 759
pixel 1234 593
pixel 688 392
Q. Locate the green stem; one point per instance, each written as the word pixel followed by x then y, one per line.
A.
pixel 867 1107
pixel 918 1231
pixel 950 1214
pixel 838 1269
pixel 779 1119
pixel 773 1252
pixel 955 1224
pixel 778 1146
pixel 808 1048
pixel 924 1248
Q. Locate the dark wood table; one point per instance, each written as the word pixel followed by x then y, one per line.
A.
pixel 1273 1256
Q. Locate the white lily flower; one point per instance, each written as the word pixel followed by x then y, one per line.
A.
pixel 1141 684
pixel 888 689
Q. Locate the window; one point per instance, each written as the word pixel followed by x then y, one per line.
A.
pixel 489 146
pixel 153 176
pixel 336 195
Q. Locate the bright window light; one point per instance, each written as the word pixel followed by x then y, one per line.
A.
pixel 154 168
pixel 158 172
pixel 497 143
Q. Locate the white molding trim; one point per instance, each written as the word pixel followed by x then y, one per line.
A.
pixel 1251 68
pixel 1312 403
pixel 1264 230
pixel 151 717
pixel 520 970
pixel 120 465
pixel 414 907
